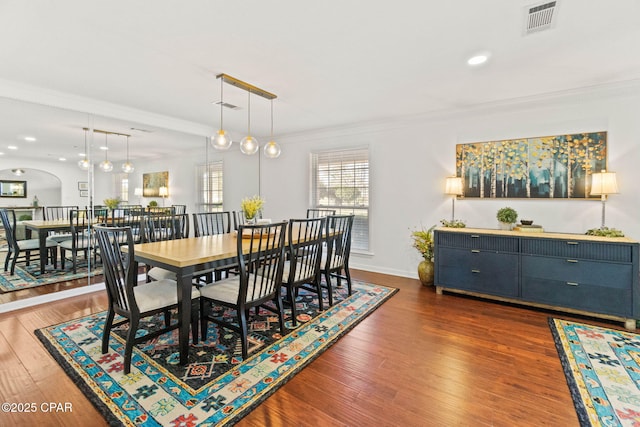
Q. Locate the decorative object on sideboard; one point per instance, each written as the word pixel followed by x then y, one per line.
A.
pixel 454 223
pixel 423 242
pixel 602 184
pixel 453 186
pixel 111 203
pixel 527 226
pixel 507 217
pixel 605 232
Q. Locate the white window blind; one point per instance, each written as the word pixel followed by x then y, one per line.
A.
pixel 210 187
pixel 340 181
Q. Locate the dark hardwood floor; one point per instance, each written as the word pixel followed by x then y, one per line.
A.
pixel 420 359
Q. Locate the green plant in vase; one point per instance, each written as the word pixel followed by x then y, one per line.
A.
pixel 423 242
pixel 111 203
pixel 507 217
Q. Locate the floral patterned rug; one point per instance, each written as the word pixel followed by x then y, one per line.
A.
pixel 216 387
pixel 602 367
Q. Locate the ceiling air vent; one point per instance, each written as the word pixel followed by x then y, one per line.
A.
pixel 540 17
pixel 227 105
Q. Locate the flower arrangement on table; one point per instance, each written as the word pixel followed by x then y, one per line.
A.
pixel 251 206
pixel 111 203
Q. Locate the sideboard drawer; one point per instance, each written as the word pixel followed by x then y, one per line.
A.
pixel 478 241
pixel 475 270
pixel 592 298
pixel 578 271
pixel 578 249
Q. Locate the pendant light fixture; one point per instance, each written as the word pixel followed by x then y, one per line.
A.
pixel 84 163
pixel 127 167
pixel 272 148
pixel 221 140
pixel 249 145
pixel 106 165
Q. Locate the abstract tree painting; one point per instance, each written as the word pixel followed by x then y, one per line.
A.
pixel 548 167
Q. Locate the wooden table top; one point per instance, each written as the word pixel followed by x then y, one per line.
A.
pixel 41 223
pixel 546 234
pixel 189 251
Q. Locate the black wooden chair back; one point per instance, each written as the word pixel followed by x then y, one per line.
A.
pixel 320 213
pixel 52 213
pixel 211 223
pixel 304 255
pixel 338 247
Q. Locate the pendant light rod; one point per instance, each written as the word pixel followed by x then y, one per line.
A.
pixel 246 86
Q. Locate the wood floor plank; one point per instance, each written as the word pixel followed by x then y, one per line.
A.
pixel 421 359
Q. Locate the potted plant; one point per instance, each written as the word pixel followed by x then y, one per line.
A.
pixel 251 206
pixel 423 242
pixel 507 217
pixel 111 203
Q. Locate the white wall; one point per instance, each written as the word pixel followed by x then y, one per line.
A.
pixel 410 159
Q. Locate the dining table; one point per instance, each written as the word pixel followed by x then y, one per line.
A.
pixel 185 257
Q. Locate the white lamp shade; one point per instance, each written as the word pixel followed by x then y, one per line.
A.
pixel 163 191
pixel 138 191
pixel 453 186
pixel 603 183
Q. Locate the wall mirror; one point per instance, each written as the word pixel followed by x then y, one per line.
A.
pixel 56 182
pixel 10 188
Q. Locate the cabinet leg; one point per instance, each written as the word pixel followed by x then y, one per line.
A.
pixel 439 290
pixel 630 324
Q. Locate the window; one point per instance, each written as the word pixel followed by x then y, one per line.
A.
pixel 340 181
pixel 210 187
pixel 122 186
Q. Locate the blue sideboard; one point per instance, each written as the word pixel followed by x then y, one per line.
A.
pixel 596 276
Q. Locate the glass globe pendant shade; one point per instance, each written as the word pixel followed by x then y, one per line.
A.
pixel 272 149
pixel 106 166
pixel 83 164
pixel 127 167
pixel 221 140
pixel 249 145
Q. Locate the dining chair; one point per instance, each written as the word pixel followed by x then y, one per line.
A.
pixel 335 263
pixel 211 223
pixel 82 238
pixel 320 213
pixel 55 213
pixel 135 301
pixel 304 254
pixel 22 249
pixel 179 209
pixel 156 228
pixel 128 217
pixel 261 261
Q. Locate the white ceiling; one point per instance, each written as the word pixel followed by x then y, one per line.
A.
pixel 330 63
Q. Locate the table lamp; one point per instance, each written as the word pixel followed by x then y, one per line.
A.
pixel 164 192
pixel 602 184
pixel 453 186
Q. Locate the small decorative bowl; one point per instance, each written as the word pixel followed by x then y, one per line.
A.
pixel 526 221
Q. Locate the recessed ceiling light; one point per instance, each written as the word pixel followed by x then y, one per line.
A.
pixel 104 148
pixel 12 147
pixel 62 159
pixel 81 154
pixel 29 138
pixel 478 59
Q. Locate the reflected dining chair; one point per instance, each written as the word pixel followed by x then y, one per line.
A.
pixel 320 213
pixel 22 249
pixel 179 209
pixel 239 218
pixel 131 300
pixel 211 224
pixel 335 263
pixel 304 254
pixel 55 213
pixel 81 238
pixel 259 281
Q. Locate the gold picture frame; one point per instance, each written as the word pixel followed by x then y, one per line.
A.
pixel 151 183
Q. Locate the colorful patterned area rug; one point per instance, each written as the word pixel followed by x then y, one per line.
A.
pixel 602 367
pixel 29 276
pixel 217 387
